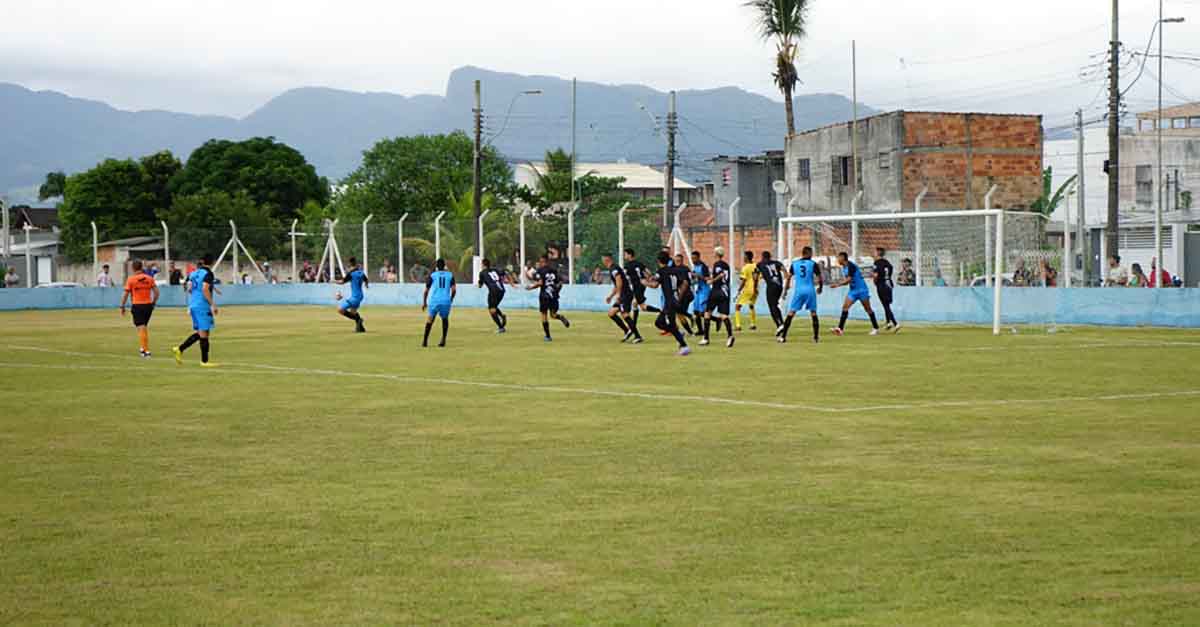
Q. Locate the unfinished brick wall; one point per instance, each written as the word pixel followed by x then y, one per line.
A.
pixel 959 156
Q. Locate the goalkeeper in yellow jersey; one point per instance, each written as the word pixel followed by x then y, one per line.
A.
pixel 747 293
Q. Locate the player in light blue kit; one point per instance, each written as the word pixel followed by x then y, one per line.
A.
pixel 859 293
pixel 349 307
pixel 702 290
pixel 200 286
pixel 440 291
pixel 807 282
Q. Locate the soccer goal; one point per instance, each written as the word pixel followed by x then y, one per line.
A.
pixel 968 248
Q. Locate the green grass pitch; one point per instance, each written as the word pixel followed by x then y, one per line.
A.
pixel 939 477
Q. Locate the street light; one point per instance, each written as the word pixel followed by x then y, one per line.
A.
pixel 512 103
pixel 1158 129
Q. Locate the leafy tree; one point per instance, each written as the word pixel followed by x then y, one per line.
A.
pixel 120 196
pixel 419 175
pixel 784 22
pixel 1051 198
pixel 271 173
pixel 200 225
pixel 55 185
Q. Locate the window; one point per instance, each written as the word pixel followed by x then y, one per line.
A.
pixel 1194 122
pixel 804 170
pixel 1146 125
pixel 1179 123
pixel 885 160
pixel 843 171
pixel 1144 175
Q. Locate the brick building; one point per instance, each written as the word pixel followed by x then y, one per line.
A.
pixel 959 156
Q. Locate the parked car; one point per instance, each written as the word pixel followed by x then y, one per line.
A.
pixel 59 284
pixel 981 281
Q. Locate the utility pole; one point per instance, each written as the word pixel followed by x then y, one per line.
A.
pixel 574 150
pixel 854 123
pixel 1161 187
pixel 1080 228
pixel 477 184
pixel 669 183
pixel 1112 234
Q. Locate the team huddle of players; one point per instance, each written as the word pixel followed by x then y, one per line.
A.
pixel 693 296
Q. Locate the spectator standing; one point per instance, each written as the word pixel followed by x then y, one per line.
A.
pixel 1118 276
pixel 153 271
pixel 174 275
pixel 938 279
pixel 1022 277
pixel 11 278
pixel 1159 274
pixel 383 270
pixel 103 279
pixel 907 276
pixel 1049 275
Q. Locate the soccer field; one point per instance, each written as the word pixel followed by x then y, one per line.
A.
pixel 942 476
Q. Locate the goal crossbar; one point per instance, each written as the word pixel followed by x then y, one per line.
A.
pixel 997 249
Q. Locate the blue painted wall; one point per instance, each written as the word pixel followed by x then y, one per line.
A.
pixel 1122 307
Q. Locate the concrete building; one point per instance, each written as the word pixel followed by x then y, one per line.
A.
pixel 1140 183
pixel 958 156
pixel 641 181
pixel 751 179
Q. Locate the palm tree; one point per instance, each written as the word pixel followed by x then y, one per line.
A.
pixel 783 22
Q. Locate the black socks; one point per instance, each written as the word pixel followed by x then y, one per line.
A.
pixel 192 339
pixel 816 328
pixel 204 350
pixel 428 326
pixel 546 327
pixel 842 323
pixel 616 318
pixel 874 322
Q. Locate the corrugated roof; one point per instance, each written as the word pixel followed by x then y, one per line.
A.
pixel 636 175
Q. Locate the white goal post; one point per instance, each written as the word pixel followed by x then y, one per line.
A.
pixel 997 264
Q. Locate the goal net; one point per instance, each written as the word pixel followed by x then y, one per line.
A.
pixel 982 250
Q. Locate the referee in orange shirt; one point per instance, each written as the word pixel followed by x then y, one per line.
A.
pixel 142 289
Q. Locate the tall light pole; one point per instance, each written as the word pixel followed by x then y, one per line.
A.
pixel 1158 128
pixel 477 176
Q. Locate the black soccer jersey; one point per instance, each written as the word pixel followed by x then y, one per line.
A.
pixel 772 273
pixel 634 271
pixel 685 277
pixel 549 280
pixel 614 273
pixel 668 281
pixel 493 279
pixel 720 273
pixel 883 274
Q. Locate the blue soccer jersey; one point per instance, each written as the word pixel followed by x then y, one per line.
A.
pixel 196 281
pixel 803 273
pixel 440 284
pixel 357 278
pixel 700 270
pixel 857 284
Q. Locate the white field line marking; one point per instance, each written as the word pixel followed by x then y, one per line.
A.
pixel 1123 344
pixel 259 368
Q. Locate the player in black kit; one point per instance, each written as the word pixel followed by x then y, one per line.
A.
pixel 683 313
pixel 772 274
pixel 494 279
pixel 635 271
pixel 621 301
pixel 718 299
pixel 545 279
pixel 667 279
pixel 884 285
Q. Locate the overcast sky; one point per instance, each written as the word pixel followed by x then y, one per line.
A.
pixel 229 57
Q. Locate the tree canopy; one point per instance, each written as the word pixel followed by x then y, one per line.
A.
pixel 55 185
pixel 419 175
pixel 272 174
pixel 121 196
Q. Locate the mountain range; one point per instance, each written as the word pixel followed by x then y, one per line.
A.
pixel 42 131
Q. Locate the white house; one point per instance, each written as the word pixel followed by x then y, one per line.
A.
pixel 641 181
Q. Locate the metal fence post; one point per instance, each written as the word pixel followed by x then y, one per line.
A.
pixel 987 235
pixel 28 257
pixel 95 250
pixel 571 244
pixel 366 257
pixel 166 247
pixel 621 231
pixel 733 260
pixel 292 233
pixel 437 236
pixel 521 265
pixel 917 252
pixel 400 247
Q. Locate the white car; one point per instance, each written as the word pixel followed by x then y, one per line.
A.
pixel 981 281
pixel 59 284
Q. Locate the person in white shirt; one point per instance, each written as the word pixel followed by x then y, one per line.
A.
pixel 12 279
pixel 103 279
pixel 1117 275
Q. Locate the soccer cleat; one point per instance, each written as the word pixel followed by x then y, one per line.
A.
pixel 753 327
pixel 704 342
pixel 874 332
pixel 566 323
pixel 360 330
pixel 207 364
pixel 896 329
pixel 178 356
pixel 838 331
pixel 441 345
pixel 628 336
pixel 547 339
pixel 781 340
pixel 501 331
pixel 779 331
pixel 889 327
pixel 729 342
pixel 638 340
pixel 816 340
pixel 685 351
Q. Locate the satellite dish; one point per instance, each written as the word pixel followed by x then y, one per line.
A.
pixel 780 187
